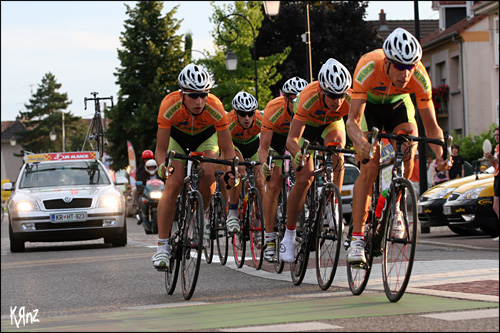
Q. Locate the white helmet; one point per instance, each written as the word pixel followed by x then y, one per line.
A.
pixel 294 86
pixel 151 167
pixel 244 101
pixel 403 47
pixel 334 77
pixel 195 77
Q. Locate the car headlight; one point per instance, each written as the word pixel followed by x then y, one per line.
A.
pixel 26 206
pixel 108 201
pixel 442 193
pixel 471 194
pixel 155 194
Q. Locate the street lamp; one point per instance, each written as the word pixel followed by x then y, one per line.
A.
pixel 53 135
pixel 271 8
pixel 231 58
pixel 13 141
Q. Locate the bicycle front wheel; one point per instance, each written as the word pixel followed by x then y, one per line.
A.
pixel 172 273
pixel 192 245
pixel 256 230
pixel 328 236
pixel 221 236
pixel 400 239
pixel 208 232
pixel 357 275
pixel 280 226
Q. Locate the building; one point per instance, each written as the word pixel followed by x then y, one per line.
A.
pixel 11 157
pixel 463 55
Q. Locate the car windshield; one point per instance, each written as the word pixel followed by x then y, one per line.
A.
pixel 63 174
pixel 350 175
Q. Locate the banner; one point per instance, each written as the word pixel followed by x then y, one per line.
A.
pixel 131 162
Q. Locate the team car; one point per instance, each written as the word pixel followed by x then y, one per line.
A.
pixel 65 197
pixel 470 207
pixel 430 203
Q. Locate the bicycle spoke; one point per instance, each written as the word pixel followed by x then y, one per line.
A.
pixel 256 229
pixel 221 239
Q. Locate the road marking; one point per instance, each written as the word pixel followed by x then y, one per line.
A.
pixel 464 315
pixel 299 327
pixel 164 306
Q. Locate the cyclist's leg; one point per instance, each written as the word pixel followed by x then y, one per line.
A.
pixel 210 149
pixel 232 222
pixel 270 198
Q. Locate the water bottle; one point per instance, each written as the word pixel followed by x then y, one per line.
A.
pixel 380 203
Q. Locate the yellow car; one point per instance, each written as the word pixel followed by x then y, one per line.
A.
pixel 430 203
pixel 470 207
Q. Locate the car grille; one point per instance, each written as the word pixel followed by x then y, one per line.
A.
pixel 68 225
pixel 75 203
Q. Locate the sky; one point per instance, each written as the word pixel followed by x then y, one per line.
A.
pixel 77 41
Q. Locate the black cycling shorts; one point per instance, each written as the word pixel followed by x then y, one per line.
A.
pixel 387 117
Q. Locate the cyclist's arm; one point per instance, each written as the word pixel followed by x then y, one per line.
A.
pixel 353 127
pixel 162 141
pixel 226 144
pixel 433 131
pixel 292 141
pixel 265 142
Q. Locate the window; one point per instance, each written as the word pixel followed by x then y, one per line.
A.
pixel 495 38
pixel 456 74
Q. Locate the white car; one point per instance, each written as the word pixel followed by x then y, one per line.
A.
pixel 64 197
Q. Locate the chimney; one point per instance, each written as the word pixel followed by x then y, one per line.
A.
pixel 382 21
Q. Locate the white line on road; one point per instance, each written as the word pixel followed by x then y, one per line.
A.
pixel 464 315
pixel 298 327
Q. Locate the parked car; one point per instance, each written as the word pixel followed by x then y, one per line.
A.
pixel 470 207
pixel 64 197
pixel 430 203
pixel 351 173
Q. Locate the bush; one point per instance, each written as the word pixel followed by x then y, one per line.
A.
pixel 471 146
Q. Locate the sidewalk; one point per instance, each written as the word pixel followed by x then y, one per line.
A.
pixel 445 237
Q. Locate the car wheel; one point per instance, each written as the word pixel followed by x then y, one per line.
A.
pixel 463 232
pixel 490 231
pixel 15 245
pixel 120 240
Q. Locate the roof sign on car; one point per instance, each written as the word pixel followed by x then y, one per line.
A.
pixel 80 155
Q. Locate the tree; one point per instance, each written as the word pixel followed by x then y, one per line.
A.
pixel 43 115
pixel 235 33
pixel 151 58
pixel 338 30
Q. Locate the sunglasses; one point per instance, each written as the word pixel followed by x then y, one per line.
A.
pixel 243 114
pixel 194 95
pixel 334 96
pixel 401 67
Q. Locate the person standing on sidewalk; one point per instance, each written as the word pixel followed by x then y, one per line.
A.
pixel 458 168
pixel 494 162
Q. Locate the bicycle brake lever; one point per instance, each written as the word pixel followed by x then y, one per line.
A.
pixel 305 145
pixel 373 137
pixel 269 161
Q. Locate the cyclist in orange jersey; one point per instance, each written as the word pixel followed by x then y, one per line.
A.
pixel 245 122
pixel 193 119
pixel 318 118
pixel 383 82
pixel 275 126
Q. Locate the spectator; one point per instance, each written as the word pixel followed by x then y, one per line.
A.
pixel 458 169
pixel 494 162
pixel 437 176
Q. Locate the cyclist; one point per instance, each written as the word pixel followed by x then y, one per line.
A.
pixel 245 122
pixel 190 118
pixel 318 118
pixel 140 175
pixel 275 126
pixel 383 82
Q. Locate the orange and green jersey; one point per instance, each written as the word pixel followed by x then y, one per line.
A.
pixel 241 135
pixel 371 83
pixel 174 113
pixel 277 116
pixel 311 109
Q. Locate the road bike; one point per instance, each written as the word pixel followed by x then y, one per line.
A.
pixel 186 236
pixel 251 219
pixel 95 133
pixel 216 225
pixel 287 182
pixel 320 230
pixel 382 236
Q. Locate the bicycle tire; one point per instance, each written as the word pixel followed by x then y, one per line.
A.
pixel 192 244
pixel 329 235
pixel 357 276
pixel 221 236
pixel 208 242
pixel 256 228
pixel 399 253
pixel 239 238
pixel 280 223
pixel 172 274
pixel 298 268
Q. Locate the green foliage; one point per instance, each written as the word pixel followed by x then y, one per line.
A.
pixel 471 146
pixel 233 30
pixel 43 115
pixel 151 57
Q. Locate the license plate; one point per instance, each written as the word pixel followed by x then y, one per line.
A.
pixel 345 193
pixel 68 217
pixel 447 210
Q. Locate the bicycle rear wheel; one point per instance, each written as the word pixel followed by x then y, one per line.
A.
pixel 192 245
pixel 298 268
pixel 256 228
pixel 329 235
pixel 280 226
pixel 399 246
pixel 221 236
pixel 208 232
pixel 172 273
pixel 357 275
pixel 239 239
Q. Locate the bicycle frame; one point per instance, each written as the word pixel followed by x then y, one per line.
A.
pixel 96 128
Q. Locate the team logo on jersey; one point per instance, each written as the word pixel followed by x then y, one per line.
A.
pixel 213 112
pixel 232 126
pixel 365 72
pixel 311 101
pixel 173 109
pixel 277 114
pixel 422 80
